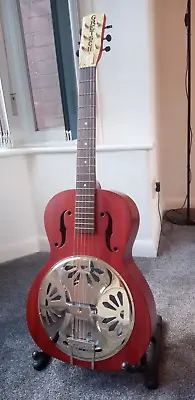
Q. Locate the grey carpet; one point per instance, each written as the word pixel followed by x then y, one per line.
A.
pixel 172 279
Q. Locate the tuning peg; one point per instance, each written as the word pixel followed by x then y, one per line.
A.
pixel 107 48
pixel 77 53
pixel 79 43
pixel 80 31
pixel 108 38
pixel 108 27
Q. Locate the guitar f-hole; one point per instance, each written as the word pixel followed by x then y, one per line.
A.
pixel 109 232
pixel 63 229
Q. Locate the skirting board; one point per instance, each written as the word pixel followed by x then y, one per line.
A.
pixel 18 249
pixel 141 248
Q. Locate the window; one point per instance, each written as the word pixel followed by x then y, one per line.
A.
pixel 5 136
pixel 41 56
pixel 39 42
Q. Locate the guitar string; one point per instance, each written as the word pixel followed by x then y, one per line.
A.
pixel 87 155
pixel 77 204
pixel 93 112
pixel 84 190
pixel 82 198
pixel 85 179
pixel 88 190
pixel 90 159
pixel 75 233
pixel 89 162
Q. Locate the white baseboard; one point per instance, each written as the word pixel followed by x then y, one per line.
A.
pixel 18 249
pixel 43 244
pixel 141 248
pixel 145 248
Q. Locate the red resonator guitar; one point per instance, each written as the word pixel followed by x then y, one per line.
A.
pixel 90 305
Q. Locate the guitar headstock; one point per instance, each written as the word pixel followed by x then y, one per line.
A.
pixel 92 36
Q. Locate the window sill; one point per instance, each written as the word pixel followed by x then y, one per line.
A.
pixel 48 149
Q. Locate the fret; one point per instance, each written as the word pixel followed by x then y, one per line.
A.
pixel 86 230
pixel 85 194
pixel 86 118
pixel 85 222
pixel 86 129
pixel 88 213
pixel 90 105
pixel 86 80
pixel 83 201
pixel 92 141
pixel 84 225
pixel 82 157
pixel 83 191
pixel 84 209
pixel 86 94
pixel 83 197
pixel 84 148
pixel 86 166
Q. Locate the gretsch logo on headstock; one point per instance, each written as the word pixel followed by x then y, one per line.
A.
pixel 92 29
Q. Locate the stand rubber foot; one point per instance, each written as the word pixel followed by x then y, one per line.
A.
pixel 41 360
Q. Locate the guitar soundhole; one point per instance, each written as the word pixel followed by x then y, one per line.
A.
pixel 102 214
pixel 69 213
pixel 115 248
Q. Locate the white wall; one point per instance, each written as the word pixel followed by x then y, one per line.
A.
pixel 18 234
pixel 124 74
pixel 124 171
pixel 170 61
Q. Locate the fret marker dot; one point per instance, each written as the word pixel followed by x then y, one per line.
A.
pixel 85 143
pixel 85 162
pixel 85 123
pixel 84 185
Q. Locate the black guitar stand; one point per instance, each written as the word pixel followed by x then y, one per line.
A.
pixel 149 363
pixel 41 359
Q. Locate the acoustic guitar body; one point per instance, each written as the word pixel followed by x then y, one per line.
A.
pixel 90 305
pixel 117 222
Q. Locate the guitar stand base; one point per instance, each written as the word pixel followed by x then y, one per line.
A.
pixel 149 364
pixel 41 360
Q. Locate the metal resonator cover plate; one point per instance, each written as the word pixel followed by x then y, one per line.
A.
pixel 86 308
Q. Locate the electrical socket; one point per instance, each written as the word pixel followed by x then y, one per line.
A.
pixel 157 187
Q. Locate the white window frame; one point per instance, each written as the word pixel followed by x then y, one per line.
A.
pixel 14 73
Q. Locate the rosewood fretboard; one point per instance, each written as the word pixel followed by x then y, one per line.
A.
pixel 86 152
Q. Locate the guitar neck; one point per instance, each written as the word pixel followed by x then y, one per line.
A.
pixel 86 152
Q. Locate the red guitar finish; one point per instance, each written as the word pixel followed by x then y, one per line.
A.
pixel 77 222
pixel 125 225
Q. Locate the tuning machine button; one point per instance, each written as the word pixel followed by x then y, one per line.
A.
pixel 108 27
pixel 108 38
pixel 77 53
pixel 107 48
